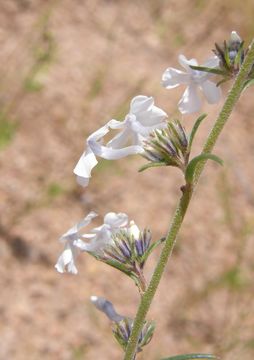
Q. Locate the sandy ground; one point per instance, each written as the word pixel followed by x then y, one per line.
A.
pixel 67 67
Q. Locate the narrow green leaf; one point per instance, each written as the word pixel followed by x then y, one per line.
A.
pixel 191 357
pixel 209 70
pixel 195 128
pixel 190 170
pixel 223 80
pixel 152 164
pixel 248 83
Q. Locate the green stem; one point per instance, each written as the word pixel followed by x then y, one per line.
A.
pixel 183 204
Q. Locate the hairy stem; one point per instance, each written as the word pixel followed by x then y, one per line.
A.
pixel 183 204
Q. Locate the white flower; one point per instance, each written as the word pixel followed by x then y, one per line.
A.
pixel 141 120
pixel 101 236
pixel 94 241
pixel 67 259
pixel 194 80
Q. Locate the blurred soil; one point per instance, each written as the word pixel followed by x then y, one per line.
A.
pixel 67 67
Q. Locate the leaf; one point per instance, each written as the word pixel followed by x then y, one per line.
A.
pixel 209 70
pixel 190 170
pixel 223 81
pixel 151 164
pixel 191 357
pixel 248 83
pixel 195 128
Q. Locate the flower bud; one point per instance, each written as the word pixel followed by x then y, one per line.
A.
pixel 231 55
pixel 143 242
pixel 168 146
pixel 129 246
pixel 122 331
pixel 106 307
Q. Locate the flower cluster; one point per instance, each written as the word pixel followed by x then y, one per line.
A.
pixel 122 325
pixel 94 242
pixel 117 242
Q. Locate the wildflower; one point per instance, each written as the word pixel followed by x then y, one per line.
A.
pixel 101 236
pixel 142 118
pixel 95 240
pixel 194 79
pixel 67 259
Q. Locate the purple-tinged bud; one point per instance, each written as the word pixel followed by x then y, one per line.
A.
pixel 122 331
pixel 125 249
pixel 107 308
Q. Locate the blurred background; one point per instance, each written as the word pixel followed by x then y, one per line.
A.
pixel 67 67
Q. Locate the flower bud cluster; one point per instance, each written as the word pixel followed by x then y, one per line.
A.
pixel 231 54
pixel 122 325
pixel 128 252
pixel 128 248
pixel 168 146
pixel 122 331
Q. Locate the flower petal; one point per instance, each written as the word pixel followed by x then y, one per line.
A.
pixel 172 77
pixel 186 63
pixel 84 167
pixel 134 230
pixel 108 152
pixel 144 131
pixel 114 154
pixel 211 91
pixel 116 220
pixel 101 239
pixel 73 233
pixel 141 103
pixel 121 139
pixel 190 101
pixel 212 62
pixel 67 261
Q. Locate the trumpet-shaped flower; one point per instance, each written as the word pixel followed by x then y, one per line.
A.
pixel 142 119
pixel 195 80
pixel 94 241
pixel 101 236
pixel 67 259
